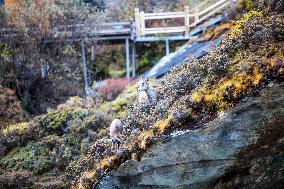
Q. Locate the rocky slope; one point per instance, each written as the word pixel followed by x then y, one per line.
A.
pixel 248 59
pixel 69 146
pixel 242 148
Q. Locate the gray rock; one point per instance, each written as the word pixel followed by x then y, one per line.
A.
pixel 242 148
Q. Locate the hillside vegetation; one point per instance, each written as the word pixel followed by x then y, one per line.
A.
pixel 250 57
pixel 69 147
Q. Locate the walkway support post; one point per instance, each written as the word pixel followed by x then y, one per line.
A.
pixel 92 54
pixel 84 66
pixel 127 59
pixel 133 60
pixel 167 46
pixel 186 20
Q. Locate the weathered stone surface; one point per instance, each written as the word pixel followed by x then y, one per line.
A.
pixel 242 148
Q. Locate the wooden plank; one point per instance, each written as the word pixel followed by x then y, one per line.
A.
pixel 163 38
pixel 112 31
pixel 115 24
pixel 162 14
pixel 165 17
pixel 212 7
pixel 165 30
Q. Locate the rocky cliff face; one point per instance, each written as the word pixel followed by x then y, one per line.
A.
pixel 242 148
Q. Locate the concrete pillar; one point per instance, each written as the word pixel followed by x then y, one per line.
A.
pixel 127 59
pixel 167 47
pixel 133 60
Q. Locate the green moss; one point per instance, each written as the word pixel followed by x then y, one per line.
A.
pixel 72 139
pixel 4 52
pixel 247 5
pixel 29 158
pixel 56 119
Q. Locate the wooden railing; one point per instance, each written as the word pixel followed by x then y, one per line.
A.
pixel 190 19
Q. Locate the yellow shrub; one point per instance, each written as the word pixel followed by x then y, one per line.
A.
pixel 196 96
pixel 104 164
pixel 223 94
pixel 90 174
pixel 145 137
pixel 107 162
pixel 237 29
pixel 162 125
pixel 19 128
pixel 281 55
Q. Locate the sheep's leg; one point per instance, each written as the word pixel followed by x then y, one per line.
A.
pixel 118 145
pixel 112 145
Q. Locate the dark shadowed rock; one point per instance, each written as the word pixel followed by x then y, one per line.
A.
pixel 242 148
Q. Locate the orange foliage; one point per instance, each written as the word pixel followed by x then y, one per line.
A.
pixel 9 2
pixel 32 13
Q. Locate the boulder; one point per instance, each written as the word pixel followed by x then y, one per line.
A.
pixel 241 148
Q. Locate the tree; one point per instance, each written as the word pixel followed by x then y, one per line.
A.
pixel 26 54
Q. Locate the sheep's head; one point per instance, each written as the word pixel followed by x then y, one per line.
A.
pixel 143 84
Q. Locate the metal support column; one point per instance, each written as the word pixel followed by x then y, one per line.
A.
pixel 167 47
pixel 92 54
pixel 133 60
pixel 127 59
pixel 84 65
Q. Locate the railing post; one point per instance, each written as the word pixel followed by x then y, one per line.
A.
pixel 196 17
pixel 142 22
pixel 137 22
pixel 186 20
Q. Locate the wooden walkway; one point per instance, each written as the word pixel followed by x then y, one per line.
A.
pixel 141 29
pixel 145 26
